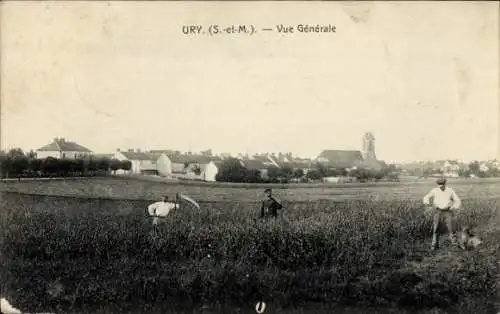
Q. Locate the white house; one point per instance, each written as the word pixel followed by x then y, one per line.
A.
pixel 186 166
pixel 142 163
pixel 62 149
pixel 163 164
pixel 450 168
pixel 495 164
pixel 201 167
pixel 209 171
pixel 484 167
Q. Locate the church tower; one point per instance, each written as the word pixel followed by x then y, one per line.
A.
pixel 369 146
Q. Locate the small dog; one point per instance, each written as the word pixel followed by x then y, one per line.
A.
pixel 467 240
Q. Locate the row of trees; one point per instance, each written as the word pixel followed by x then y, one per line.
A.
pixel 16 164
pixel 232 171
pixel 474 168
pixel 466 170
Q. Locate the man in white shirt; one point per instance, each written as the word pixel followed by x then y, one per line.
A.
pixel 161 209
pixel 444 202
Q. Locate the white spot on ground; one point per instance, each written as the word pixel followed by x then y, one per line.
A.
pixel 7 308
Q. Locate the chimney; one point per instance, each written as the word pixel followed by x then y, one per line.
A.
pixel 117 149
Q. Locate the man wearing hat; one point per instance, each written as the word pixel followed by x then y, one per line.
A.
pixel 270 205
pixel 444 201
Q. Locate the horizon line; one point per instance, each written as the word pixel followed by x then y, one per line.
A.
pixel 294 155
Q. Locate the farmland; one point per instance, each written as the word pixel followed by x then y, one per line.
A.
pixel 150 189
pixel 344 246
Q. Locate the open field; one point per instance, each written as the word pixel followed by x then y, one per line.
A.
pixel 136 189
pixel 335 248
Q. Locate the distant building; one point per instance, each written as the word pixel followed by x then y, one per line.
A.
pixel 340 159
pixel 62 149
pixel 163 163
pixel 349 159
pixel 256 164
pixel 369 146
pixel 209 171
pixel 267 160
pixel 450 168
pixel 104 155
pixel 304 165
pixel 484 167
pixel 142 163
pixel 188 166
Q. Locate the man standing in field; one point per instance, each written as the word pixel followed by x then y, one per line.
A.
pixel 161 209
pixel 444 201
pixel 270 205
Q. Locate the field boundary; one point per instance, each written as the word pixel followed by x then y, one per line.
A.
pixel 51 178
pixel 168 181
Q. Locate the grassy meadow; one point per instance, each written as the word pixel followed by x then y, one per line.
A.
pixel 92 255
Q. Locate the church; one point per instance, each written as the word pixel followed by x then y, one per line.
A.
pixel 349 159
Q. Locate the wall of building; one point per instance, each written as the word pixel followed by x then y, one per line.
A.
pixel 210 172
pixel 164 166
pixel 59 155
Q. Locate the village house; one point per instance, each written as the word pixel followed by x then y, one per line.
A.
pixel 104 155
pixel 170 162
pixel 484 167
pixel 63 149
pixel 340 159
pixel 450 168
pixel 294 164
pixel 257 164
pixel 142 162
pixel 208 171
pixel 202 167
pixel 267 160
pixel 187 166
pixel 494 164
pixel 163 163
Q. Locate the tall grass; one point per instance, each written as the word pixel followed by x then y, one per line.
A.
pixel 362 252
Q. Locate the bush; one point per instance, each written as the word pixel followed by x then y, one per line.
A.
pixel 232 170
pixel 24 166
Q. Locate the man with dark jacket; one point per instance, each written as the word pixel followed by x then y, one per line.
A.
pixel 270 206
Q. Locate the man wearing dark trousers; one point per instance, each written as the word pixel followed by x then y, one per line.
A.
pixel 270 206
pixel 444 203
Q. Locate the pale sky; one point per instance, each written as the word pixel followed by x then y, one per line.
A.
pixel 423 77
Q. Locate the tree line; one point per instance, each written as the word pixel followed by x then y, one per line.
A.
pixel 231 170
pixel 466 170
pixel 17 164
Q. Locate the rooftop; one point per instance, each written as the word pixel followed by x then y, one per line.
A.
pixel 61 144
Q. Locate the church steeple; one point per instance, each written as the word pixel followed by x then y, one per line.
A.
pixel 369 146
